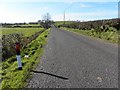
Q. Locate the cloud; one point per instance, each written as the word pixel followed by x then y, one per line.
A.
pixel 11 13
pixel 11 16
pixel 87 15
pixel 45 9
pixel 82 5
pixel 59 1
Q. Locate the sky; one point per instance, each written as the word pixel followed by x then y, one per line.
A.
pixel 15 11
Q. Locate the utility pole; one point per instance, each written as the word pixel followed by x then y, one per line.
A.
pixel 65 10
pixel 64 17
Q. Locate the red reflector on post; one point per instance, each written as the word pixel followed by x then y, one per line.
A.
pixel 17 46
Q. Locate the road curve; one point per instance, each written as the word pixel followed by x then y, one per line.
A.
pixel 76 61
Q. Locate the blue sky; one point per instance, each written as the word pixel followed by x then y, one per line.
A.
pixel 12 12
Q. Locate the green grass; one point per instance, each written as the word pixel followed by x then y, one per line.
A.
pixel 25 31
pixel 111 35
pixel 13 78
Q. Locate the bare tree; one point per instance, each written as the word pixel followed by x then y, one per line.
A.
pixel 46 17
pixel 46 20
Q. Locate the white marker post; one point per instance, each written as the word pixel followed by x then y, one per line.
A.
pixel 17 47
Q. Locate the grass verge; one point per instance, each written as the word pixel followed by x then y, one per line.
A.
pixel 11 76
pixel 111 35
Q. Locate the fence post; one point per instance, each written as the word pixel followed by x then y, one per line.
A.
pixel 17 47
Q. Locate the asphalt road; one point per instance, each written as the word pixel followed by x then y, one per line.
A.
pixel 76 61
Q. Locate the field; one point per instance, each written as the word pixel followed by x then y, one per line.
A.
pixel 25 31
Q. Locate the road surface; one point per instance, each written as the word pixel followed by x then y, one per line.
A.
pixel 76 61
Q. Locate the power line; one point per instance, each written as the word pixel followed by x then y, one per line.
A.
pixel 69 6
pixel 67 9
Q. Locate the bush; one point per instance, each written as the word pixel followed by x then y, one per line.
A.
pixel 8 43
